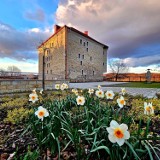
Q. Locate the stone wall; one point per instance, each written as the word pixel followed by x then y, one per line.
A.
pixel 86 59
pixel 54 51
pixel 8 86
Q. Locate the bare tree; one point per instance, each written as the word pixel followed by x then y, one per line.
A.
pixel 14 70
pixel 118 67
pixel 3 72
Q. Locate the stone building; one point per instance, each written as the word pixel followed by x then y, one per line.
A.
pixel 72 55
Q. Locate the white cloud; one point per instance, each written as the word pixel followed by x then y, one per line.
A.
pixel 21 45
pixel 25 66
pixel 123 25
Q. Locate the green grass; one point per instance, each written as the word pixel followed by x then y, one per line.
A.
pixel 135 85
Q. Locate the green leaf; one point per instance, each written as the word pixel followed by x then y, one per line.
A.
pixel 101 147
pixel 133 151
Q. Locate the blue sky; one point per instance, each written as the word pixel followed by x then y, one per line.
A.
pixel 130 28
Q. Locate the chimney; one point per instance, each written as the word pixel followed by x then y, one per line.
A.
pixel 56 28
pixel 86 33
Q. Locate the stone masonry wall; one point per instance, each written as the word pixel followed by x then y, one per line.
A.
pixel 86 59
pixel 54 50
pixel 8 86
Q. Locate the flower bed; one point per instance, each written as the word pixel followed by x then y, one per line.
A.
pixel 81 124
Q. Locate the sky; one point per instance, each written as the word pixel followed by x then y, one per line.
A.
pixel 130 28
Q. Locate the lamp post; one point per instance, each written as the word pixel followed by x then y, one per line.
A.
pixel 43 74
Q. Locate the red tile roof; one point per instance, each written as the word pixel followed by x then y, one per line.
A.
pixel 75 30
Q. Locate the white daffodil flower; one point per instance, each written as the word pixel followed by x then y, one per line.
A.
pixel 33 97
pixel 99 87
pixel 118 133
pixel 57 86
pixel 80 100
pixel 121 102
pixel 123 90
pixel 34 91
pixel 148 108
pixel 100 93
pixel 109 94
pixel 41 113
pixel 41 91
pixel 91 91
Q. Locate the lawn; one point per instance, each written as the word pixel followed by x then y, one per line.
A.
pixel 135 85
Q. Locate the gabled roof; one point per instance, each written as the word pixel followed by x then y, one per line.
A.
pixel 77 31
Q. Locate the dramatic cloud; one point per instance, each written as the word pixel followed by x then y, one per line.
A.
pixel 37 15
pixel 126 26
pixel 20 45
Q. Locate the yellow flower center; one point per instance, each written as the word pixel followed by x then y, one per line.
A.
pixel 148 109
pixel 118 133
pixel 109 94
pixel 100 93
pixel 122 102
pixel 33 97
pixel 80 101
pixel 41 113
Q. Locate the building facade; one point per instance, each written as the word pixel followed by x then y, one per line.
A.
pixel 72 55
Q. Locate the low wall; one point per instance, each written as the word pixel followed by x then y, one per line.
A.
pixel 7 86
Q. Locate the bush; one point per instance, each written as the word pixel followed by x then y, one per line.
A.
pixel 18 115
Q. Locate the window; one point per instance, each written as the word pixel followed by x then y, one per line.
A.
pixel 87 49
pixel 79 56
pixel 103 63
pixel 103 52
pixel 90 58
pixel 84 43
pixel 82 56
pixel 47 71
pixel 81 62
pixel 93 73
pixel 87 43
pixel 80 41
pixel 51 71
pixel 82 72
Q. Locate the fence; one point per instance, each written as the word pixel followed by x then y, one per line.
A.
pixel 135 78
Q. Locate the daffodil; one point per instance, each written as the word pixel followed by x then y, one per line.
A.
pixel 123 90
pixel 34 91
pixel 121 102
pixel 33 97
pixel 75 91
pixel 109 94
pixel 41 91
pixel 100 93
pixel 118 133
pixel 63 86
pixel 91 91
pixel 148 108
pixel 99 87
pixel 41 113
pixel 57 86
pixel 80 100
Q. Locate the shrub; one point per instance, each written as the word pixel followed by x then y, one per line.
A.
pixel 18 115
